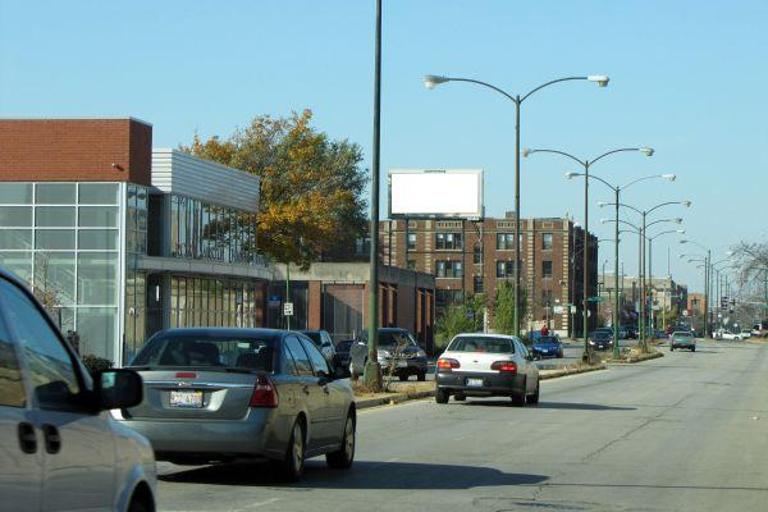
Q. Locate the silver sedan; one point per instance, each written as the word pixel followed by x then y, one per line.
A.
pixel 218 394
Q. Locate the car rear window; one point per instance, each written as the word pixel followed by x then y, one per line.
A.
pixel 482 344
pixel 314 336
pixel 682 335
pixel 208 350
pixel 547 339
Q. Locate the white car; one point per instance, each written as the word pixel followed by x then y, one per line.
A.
pixel 746 333
pixel 722 334
pixel 487 365
pixel 61 449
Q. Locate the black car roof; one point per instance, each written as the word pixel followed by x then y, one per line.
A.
pixel 227 331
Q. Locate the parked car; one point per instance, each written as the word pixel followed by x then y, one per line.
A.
pixel 746 333
pixel 220 394
pixel 342 352
pixel 682 339
pixel 397 350
pixel 628 332
pixel 601 339
pixel 60 448
pixel 487 365
pixel 322 340
pixel 723 334
pixel 547 346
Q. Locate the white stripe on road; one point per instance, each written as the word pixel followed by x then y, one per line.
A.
pixel 249 507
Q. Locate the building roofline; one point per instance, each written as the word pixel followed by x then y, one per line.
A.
pixel 74 118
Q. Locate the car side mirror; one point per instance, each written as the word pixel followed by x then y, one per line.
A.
pixel 118 389
pixel 340 370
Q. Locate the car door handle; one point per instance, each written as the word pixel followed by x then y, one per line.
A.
pixel 27 437
pixel 52 439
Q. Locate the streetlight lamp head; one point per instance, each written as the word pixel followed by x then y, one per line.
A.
pixel 526 152
pixel 684 241
pixel 602 203
pixel 670 177
pixel 600 80
pixel 687 204
pixel 605 221
pixel 681 231
pixel 647 151
pixel 432 81
pixel 678 220
pixel 570 175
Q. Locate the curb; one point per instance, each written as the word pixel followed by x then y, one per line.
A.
pixel 397 398
pixel 638 359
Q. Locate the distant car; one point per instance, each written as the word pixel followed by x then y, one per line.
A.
pixel 60 449
pixel 746 333
pixel 601 339
pixel 682 339
pixel 722 334
pixel 628 332
pixel 342 352
pixel 221 394
pixel 323 341
pixel 398 348
pixel 547 346
pixel 487 365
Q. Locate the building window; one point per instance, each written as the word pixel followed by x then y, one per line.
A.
pixel 411 241
pixel 478 284
pixel 449 268
pixel 546 241
pixel 505 269
pixel 477 254
pixel 448 241
pixel 410 265
pixel 546 268
pixel 505 241
pixel 445 298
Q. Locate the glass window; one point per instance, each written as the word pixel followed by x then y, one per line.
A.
pixel 98 193
pixel 411 264
pixel 96 327
pixel 546 269
pixel 97 278
pixel 55 193
pixel 318 361
pixel 19 263
pixel 98 216
pixel 15 239
pixel 478 284
pixel 482 344
pixel 505 241
pixel 477 254
pixel 16 193
pixel 55 216
pixel 50 366
pixel 300 357
pixel 12 393
pixel 289 365
pixel 411 241
pixel 546 241
pixel 55 239
pixel 55 273
pixel 97 239
pixel 12 216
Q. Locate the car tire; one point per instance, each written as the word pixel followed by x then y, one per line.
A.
pixel 441 396
pixel 421 376
pixel 518 399
pixel 671 349
pixel 459 397
pixel 693 349
pixel 291 467
pixel 403 377
pixel 344 456
pixel 140 505
pixel 534 398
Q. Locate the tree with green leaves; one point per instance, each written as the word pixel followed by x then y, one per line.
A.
pixel 312 187
pixel 504 311
pixel 458 318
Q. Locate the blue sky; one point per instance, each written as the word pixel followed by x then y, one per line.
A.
pixel 688 78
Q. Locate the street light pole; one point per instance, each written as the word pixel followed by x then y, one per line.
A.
pixel 431 81
pixel 372 370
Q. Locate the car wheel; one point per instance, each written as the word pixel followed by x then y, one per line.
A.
pixel 140 505
pixel 422 376
pixel 671 349
pixel 459 397
pixel 291 467
pixel 342 459
pixel 518 399
pixel 534 398
pixel 441 396
pixel 403 376
pixel 693 349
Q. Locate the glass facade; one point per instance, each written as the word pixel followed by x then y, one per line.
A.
pixel 199 301
pixel 201 230
pixel 62 239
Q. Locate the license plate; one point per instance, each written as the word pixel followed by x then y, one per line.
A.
pixel 475 382
pixel 402 364
pixel 188 399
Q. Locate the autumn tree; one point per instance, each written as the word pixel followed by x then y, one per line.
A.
pixel 311 186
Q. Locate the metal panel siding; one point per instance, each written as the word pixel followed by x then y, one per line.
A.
pixel 179 173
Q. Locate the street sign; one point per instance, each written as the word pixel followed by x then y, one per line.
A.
pixel 558 310
pixel 573 309
pixel 288 309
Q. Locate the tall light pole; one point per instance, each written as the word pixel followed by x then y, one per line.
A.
pixel 372 370
pixel 650 267
pixel 617 200
pixel 432 81
pixel 707 261
pixel 586 165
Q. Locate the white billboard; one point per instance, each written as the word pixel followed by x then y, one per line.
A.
pixel 436 193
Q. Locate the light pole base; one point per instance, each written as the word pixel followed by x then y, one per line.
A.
pixel 372 376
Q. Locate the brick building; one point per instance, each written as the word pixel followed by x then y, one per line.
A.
pixel 469 257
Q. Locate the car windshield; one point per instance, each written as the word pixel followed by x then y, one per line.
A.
pixel 202 350
pixel 343 346
pixel 602 334
pixel 682 335
pixel 388 339
pixel 482 344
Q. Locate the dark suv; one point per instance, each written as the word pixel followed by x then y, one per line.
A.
pixel 398 352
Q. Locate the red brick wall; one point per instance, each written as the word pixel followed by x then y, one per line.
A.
pixel 315 301
pixel 75 150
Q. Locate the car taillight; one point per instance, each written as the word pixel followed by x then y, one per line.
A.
pixel 505 366
pixel 186 375
pixel 447 364
pixel 264 393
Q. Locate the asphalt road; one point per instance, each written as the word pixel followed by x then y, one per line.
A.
pixel 685 432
